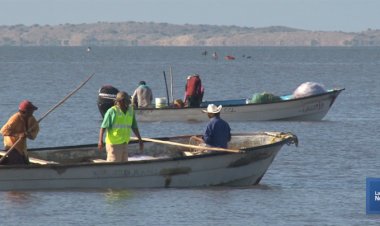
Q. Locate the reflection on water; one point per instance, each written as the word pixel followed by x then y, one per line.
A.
pixel 117 195
pixel 15 197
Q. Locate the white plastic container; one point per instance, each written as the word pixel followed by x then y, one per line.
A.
pixel 161 102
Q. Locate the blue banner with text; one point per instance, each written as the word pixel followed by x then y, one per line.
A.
pixel 373 196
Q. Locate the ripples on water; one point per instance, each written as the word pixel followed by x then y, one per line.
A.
pixel 322 182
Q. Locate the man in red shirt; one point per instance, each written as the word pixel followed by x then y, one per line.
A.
pixel 194 91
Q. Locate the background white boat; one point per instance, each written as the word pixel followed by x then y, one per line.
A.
pixel 162 166
pixel 310 108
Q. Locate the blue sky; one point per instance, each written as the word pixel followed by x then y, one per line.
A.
pixel 316 15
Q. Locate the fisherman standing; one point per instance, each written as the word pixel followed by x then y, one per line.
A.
pixel 143 96
pixel 194 91
pixel 118 122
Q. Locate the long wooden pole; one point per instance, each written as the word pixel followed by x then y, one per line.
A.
pixel 167 92
pixel 171 84
pixel 47 113
pixel 189 145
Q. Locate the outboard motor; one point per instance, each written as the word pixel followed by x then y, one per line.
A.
pixel 106 98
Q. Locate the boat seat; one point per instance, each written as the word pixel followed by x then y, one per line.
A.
pixel 98 160
pixel 132 158
pixel 188 153
pixel 41 161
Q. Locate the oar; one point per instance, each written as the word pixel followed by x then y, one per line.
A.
pixel 47 113
pixel 189 145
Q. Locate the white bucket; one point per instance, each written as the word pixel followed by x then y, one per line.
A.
pixel 161 102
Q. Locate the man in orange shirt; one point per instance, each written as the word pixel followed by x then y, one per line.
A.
pixel 20 125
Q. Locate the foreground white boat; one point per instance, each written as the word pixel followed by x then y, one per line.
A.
pixel 163 165
pixel 310 108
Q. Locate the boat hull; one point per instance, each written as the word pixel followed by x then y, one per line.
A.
pixel 312 108
pixel 213 169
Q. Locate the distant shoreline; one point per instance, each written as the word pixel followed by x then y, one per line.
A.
pixel 164 34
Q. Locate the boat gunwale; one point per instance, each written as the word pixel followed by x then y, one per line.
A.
pixel 86 164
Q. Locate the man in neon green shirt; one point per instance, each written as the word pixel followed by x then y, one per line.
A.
pixel 118 121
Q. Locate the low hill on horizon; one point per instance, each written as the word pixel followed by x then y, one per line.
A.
pixel 164 34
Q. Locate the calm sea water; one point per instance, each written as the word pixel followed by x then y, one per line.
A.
pixel 322 182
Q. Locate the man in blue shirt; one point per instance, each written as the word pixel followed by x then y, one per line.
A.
pixel 218 132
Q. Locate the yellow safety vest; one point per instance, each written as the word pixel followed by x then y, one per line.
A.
pixel 121 128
